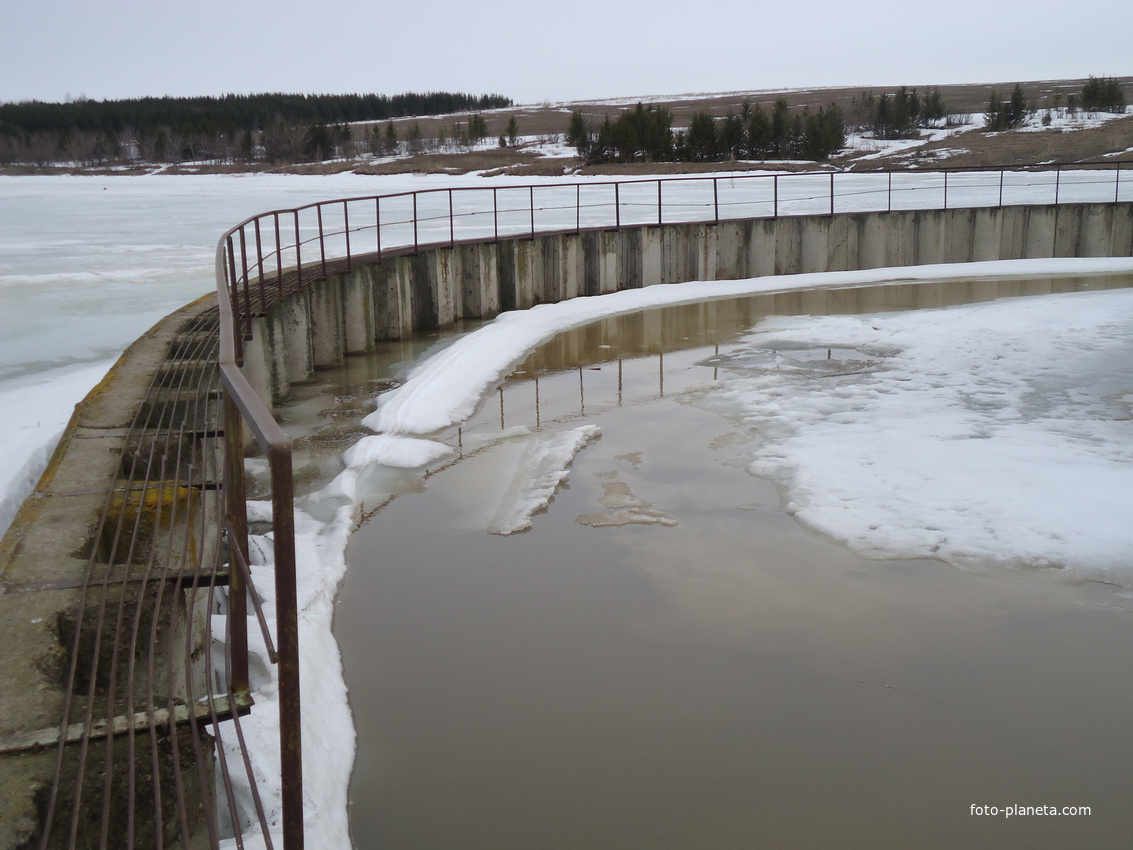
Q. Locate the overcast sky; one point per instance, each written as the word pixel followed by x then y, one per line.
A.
pixel 535 52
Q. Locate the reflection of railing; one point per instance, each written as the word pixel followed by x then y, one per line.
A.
pixel 256 258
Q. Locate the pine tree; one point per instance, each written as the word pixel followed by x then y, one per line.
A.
pixel 577 134
pixel 702 142
pixel 1017 107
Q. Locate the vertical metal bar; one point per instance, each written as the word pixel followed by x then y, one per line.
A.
pixel 278 257
pixel 617 206
pixel 260 265
pixel 378 223
pixel 287 638
pixel 495 214
pixel 531 203
pixel 236 508
pixel 775 207
pixel 659 221
pixel 1000 204
pixel 415 221
pixel 577 207
pixel 946 188
pixel 247 288
pixel 322 239
pixel 716 200
pixel 346 227
pixel 1057 180
pixel 451 222
pixel 1117 183
pixel 832 193
pixel 234 295
pixel 889 201
pixel 298 253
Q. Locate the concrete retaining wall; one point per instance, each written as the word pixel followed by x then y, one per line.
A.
pixel 392 298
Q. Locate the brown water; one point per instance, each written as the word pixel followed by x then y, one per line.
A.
pixel 730 680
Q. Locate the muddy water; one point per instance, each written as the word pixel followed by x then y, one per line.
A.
pixel 726 679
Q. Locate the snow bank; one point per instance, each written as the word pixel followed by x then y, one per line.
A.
pixel 36 410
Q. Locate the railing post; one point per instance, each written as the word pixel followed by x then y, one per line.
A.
pixel 287 639
pixel 716 200
pixel 617 206
pixel 531 203
pixel 495 214
pixel 889 194
pixel 233 288
pixel 659 220
pixel 414 222
pixel 1117 183
pixel 832 193
pixel 247 286
pixel 378 224
pixel 278 257
pixel 346 227
pixel 577 207
pixel 1000 204
pixel 236 511
pixel 1057 180
pixel 946 188
pixel 322 239
pixel 451 223
pixel 260 267
pixel 775 188
pixel 298 254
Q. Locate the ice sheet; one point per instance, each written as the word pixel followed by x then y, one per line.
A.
pixel 991 434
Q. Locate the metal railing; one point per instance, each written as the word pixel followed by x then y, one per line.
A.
pixel 260 259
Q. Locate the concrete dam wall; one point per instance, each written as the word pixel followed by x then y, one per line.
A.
pixel 392 297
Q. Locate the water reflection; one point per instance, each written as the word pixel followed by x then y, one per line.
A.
pixel 630 351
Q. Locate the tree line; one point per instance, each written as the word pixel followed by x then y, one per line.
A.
pixel 901 115
pixel 276 127
pixel 646 134
pixel 1098 94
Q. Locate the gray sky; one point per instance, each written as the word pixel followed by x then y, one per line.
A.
pixel 535 52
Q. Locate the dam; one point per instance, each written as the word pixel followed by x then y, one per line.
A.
pixel 162 523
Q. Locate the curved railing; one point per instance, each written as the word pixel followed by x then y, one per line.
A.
pixel 306 238
pixel 260 258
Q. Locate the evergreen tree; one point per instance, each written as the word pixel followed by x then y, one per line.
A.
pixel 577 134
pixel 731 136
pixel 1104 94
pixel 995 115
pixel 512 131
pixel 702 143
pixel 1017 107
pixel 759 134
pixel 780 128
